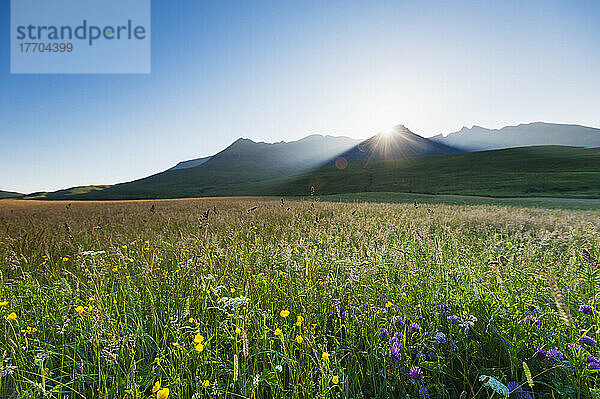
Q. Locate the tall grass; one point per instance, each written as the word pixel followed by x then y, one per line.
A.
pixel 253 298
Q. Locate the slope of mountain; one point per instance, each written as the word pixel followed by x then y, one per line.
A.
pixel 190 164
pixel 400 143
pixel 66 193
pixel 9 194
pixel 243 163
pixel 538 133
pixel 554 171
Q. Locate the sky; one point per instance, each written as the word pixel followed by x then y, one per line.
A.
pixel 281 70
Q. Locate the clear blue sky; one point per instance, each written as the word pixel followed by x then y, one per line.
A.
pixel 280 70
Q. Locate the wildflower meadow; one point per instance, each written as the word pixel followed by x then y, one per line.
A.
pixel 275 298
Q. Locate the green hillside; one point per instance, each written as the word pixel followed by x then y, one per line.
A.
pixel 9 194
pixel 66 194
pixel 543 171
pixel 527 171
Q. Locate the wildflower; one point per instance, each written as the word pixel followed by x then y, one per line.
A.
pixel 587 309
pixel 278 331
pixel 91 299
pixel 589 341
pixel 432 356
pixel 335 379
pixel 574 347
pixel 4 303
pixel 175 344
pixel 206 383
pixel 516 389
pixel 388 304
pixel 198 339
pixel 232 290
pixel 416 373
pixel 533 308
pixel 299 321
pixel 531 320
pixel 156 387
pixel 90 308
pixel 299 339
pixel 453 319
pixel 162 394
pixel 592 362
pixel 423 393
pixel 384 333
pixel 440 337
pixel 414 327
pixel 554 354
pixel 325 356
pixel 191 320
pixel 12 316
pixel 420 357
pixel 237 330
pixel 199 348
pixel 79 309
pixel 284 313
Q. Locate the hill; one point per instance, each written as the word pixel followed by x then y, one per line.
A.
pixel 538 133
pixel 67 193
pixel 555 171
pixel 398 144
pixel 242 164
pixel 9 194
pixel 190 164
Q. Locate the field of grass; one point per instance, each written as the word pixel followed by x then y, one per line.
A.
pixel 255 298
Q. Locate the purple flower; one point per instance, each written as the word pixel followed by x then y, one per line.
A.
pixel 453 319
pixel 396 338
pixel 413 328
pixel 396 351
pixel 533 308
pixel 416 373
pixel 384 333
pixel 444 307
pixel 574 347
pixel 397 319
pixel 440 337
pixel 432 356
pixel 421 357
pixel 531 320
pixel 587 309
pixel 589 341
pixel 554 354
pixel 423 393
pixel 592 362
pixel 514 387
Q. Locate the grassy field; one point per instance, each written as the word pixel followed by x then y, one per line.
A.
pixel 254 298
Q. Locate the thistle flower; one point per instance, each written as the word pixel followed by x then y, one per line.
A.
pixel 416 373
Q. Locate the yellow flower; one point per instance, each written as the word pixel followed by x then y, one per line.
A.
pixel 278 331
pixel 299 321
pixel 90 308
pixel 237 330
pixel 92 299
pixel 284 313
pixel 11 316
pixel 4 303
pixel 199 348
pixel 299 339
pixel 156 387
pixel 206 384
pixel 325 356
pixel 175 344
pixel 115 269
pixel 335 379
pixel 191 320
pixel 232 290
pixel 79 309
pixel 388 304
pixel 198 339
pixel 162 394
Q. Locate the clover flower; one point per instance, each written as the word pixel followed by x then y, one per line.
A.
pixel 416 373
pixel 440 337
pixel 384 333
pixel 531 320
pixel 453 319
pixel 414 327
pixel 555 355
pixel 587 309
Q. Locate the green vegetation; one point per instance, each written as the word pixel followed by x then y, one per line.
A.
pixel 67 193
pixel 545 171
pixel 255 298
pixel 9 194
